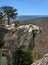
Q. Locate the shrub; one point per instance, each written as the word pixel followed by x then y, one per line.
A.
pixel 16 23
pixel 24 57
pixel 36 55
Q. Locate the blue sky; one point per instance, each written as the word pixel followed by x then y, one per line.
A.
pixel 28 7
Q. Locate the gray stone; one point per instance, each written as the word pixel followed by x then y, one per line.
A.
pixel 43 61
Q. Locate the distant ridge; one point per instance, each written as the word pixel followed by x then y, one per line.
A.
pixel 26 17
pixel 40 21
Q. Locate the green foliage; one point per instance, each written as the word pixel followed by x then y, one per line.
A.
pixel 24 57
pixel 9 11
pixel 36 55
pixel 16 23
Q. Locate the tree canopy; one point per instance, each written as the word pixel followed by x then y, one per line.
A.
pixel 9 11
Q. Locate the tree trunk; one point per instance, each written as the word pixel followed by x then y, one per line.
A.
pixel 8 20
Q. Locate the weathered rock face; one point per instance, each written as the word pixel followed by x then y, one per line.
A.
pixel 43 61
pixel 14 38
pixel 27 35
pixel 24 35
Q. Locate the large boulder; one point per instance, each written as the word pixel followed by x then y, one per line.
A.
pixel 24 35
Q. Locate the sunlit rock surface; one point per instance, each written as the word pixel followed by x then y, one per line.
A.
pixel 43 61
pixel 23 35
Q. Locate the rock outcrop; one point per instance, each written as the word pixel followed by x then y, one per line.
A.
pixel 13 38
pixel 23 35
pixel 43 61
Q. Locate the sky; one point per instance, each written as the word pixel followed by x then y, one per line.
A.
pixel 28 7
